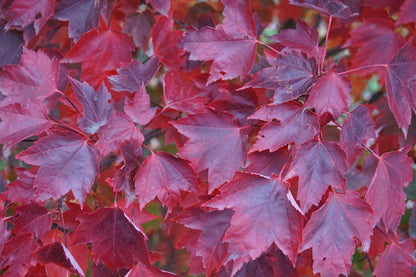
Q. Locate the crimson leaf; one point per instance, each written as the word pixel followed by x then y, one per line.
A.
pixel 116 241
pixel 259 203
pixel 215 143
pixel 295 125
pixel 327 164
pixel 385 193
pixel 164 175
pixel 66 162
pixel 97 105
pixel 332 230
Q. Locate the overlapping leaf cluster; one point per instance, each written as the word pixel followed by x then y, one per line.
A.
pixel 155 138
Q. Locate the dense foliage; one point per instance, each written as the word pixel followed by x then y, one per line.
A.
pixel 205 138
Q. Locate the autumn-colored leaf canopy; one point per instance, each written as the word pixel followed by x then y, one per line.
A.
pixel 207 138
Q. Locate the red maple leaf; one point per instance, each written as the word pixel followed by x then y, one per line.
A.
pixel 133 75
pixel 259 203
pixel 396 260
pixel 385 193
pixel 82 15
pixel 97 106
pixel 17 254
pixel 303 38
pixel 295 125
pixel 120 128
pixel 66 162
pixel 18 123
pixel 164 175
pixel 237 31
pixel 336 8
pixel 181 96
pixel 116 241
pixel 327 165
pixel 36 78
pixel 212 226
pixel 356 129
pixel 401 85
pixel 332 230
pixel 267 163
pixel 58 254
pixel 291 76
pixel 33 218
pixel 22 13
pixel 330 95
pixel 377 43
pixel 215 143
pixel 406 14
pixel 99 52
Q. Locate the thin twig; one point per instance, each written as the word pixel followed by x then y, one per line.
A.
pixel 66 126
pixel 326 43
pixel 361 68
pixel 62 219
pixel 369 262
pixel 67 99
pixel 269 47
pixel 371 151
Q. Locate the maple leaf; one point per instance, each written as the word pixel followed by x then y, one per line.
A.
pixel 326 166
pixel 140 270
pixel 33 218
pixel 139 108
pixel 291 75
pixel 122 179
pixel 139 26
pixel 11 47
pixel 120 128
pixel 161 6
pixel 17 254
pixel 22 13
pixel 267 163
pixel 82 15
pixel 66 162
pixel 396 260
pixel 212 226
pixel 164 175
pixel 4 233
pixel 73 210
pixel 100 270
pixel 303 38
pixel 18 123
pixel 116 241
pixel 259 203
pixel 337 8
pixel 58 254
pixel 240 103
pixel 99 51
pixel 356 129
pixel 133 75
pixel 377 42
pixel 97 105
pixel 166 42
pixel 406 14
pixel 332 230
pixel 330 95
pixel 215 143
pixel 271 263
pixel 180 96
pixel 226 43
pixel 295 125
pixel 36 78
pixel 401 85
pixel 22 189
pixel 385 193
